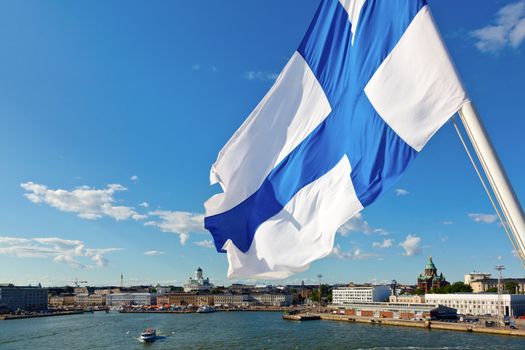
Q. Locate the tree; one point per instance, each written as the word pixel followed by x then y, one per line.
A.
pixel 419 291
pixel 326 293
pixel 459 287
pixel 492 290
pixel 456 287
pixel 511 287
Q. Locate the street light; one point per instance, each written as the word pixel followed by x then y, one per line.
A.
pixel 499 268
pixel 319 276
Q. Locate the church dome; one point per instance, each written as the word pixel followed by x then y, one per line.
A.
pixel 430 264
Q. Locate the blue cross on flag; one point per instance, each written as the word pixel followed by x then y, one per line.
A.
pixel 370 83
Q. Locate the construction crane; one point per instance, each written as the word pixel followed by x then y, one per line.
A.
pixel 78 283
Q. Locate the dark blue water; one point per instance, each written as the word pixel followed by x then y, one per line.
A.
pixel 230 330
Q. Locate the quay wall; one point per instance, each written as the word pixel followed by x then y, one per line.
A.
pixel 426 324
pixel 51 314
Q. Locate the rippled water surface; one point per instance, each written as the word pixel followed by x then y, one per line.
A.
pixel 230 330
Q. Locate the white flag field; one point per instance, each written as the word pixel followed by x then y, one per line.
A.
pixel 368 86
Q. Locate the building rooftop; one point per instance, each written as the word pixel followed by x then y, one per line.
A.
pixel 430 265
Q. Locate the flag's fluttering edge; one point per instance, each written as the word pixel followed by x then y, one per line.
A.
pixel 368 86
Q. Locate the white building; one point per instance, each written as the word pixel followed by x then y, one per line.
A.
pixel 198 284
pixel 345 295
pixel 407 299
pixel 90 299
pixel 232 300
pixel 480 303
pixel 162 290
pixel 475 276
pixel 272 299
pixel 128 299
pixel 396 310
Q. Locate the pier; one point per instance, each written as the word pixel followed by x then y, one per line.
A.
pixel 428 324
pixel 301 317
pixel 44 314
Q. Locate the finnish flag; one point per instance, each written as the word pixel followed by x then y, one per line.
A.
pixel 370 83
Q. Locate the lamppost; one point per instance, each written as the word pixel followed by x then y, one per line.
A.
pixel 499 268
pixel 319 276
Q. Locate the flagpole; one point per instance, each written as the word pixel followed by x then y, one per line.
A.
pixel 495 173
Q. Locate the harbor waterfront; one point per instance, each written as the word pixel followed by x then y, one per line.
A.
pixel 232 330
pixel 450 326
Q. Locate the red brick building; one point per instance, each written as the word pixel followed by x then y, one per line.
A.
pixel 431 279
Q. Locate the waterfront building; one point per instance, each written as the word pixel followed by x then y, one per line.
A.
pixel 61 301
pixel 82 290
pixel 107 291
pixel 204 299
pixel 86 300
pixel 303 291
pixel 343 295
pixel 271 299
pixel 128 299
pixel 430 279
pixel 163 300
pixel 236 300
pixel 177 299
pixel 396 310
pixel 23 298
pixel 479 304
pixel 407 299
pixel 199 283
pixel 184 299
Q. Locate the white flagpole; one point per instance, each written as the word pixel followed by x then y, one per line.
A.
pixel 496 175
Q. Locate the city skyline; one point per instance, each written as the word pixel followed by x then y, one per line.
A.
pixel 106 143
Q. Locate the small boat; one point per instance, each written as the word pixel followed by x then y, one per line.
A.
pixel 148 335
pixel 206 309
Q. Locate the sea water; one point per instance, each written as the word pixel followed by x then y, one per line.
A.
pixel 230 330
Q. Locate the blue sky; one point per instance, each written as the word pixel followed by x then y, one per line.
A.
pixel 112 112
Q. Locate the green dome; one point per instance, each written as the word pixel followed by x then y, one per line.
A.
pixel 430 264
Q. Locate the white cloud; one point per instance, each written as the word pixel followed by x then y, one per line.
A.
pixel 179 222
pixel 88 203
pixel 356 254
pixel 411 245
pixel 387 243
pixel 12 240
pixel 507 30
pixel 260 75
pixel 70 252
pixel 483 218
pixel 196 66
pixel 358 224
pixel 447 222
pixel 401 192
pixel 144 205
pixel 154 253
pixel 134 178
pixel 206 243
